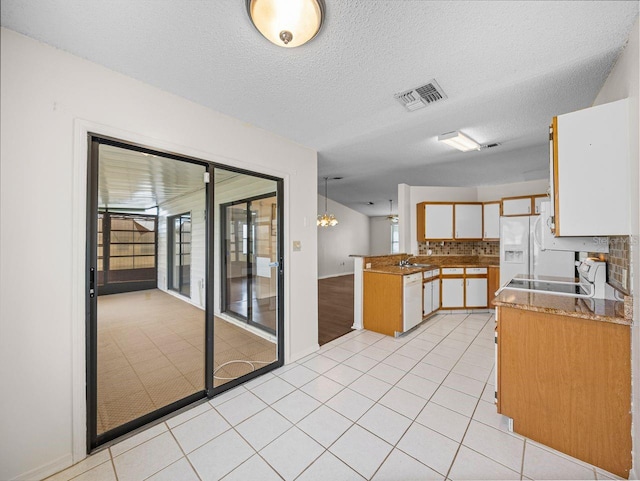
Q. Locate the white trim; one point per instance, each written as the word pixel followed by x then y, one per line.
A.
pixel 358 281
pixel 82 127
pixel 78 299
pixel 46 470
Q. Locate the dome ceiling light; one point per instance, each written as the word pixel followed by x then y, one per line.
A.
pixel 287 23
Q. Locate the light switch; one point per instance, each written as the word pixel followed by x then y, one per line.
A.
pixel 297 246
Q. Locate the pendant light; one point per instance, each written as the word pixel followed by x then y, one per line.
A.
pixel 393 218
pixel 287 23
pixel 326 220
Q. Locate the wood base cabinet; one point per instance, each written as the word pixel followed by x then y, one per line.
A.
pixel 566 383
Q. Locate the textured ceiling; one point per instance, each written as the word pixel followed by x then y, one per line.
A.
pixel 506 67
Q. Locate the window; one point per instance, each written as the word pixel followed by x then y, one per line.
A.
pixel 395 239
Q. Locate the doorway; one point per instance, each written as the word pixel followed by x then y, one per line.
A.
pixel 179 269
pixel 250 260
pixel 157 340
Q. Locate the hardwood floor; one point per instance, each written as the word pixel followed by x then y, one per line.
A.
pixel 335 307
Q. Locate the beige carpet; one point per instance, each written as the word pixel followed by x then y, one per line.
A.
pixel 151 353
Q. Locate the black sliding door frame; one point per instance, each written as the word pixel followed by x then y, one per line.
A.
pixel 95 440
pixel 250 223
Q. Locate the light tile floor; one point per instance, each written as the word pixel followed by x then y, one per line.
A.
pixel 366 406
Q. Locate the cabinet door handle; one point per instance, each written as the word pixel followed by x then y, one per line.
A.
pixel 467 282
pixel 529 209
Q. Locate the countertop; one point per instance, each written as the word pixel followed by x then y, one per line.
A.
pixel 399 271
pixel 604 310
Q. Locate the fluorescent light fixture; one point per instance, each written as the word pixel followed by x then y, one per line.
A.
pixel 459 141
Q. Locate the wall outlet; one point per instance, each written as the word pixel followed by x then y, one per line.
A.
pixel 368 265
pixel 297 246
pixel 625 278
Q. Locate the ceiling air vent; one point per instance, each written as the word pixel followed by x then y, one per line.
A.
pixel 422 96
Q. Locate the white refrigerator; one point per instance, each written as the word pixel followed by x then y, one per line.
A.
pixel 521 253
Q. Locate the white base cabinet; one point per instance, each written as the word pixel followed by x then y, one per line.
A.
pixel 476 292
pixel 453 293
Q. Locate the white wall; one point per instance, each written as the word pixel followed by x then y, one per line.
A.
pixel 50 99
pixel 496 192
pixel 380 236
pixel 623 83
pixel 337 243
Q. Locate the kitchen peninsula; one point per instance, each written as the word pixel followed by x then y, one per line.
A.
pixel 461 282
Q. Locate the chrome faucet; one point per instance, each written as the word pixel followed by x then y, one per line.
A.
pixel 405 262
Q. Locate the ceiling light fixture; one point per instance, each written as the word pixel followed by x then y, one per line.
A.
pixel 393 218
pixel 287 23
pixel 326 220
pixel 459 141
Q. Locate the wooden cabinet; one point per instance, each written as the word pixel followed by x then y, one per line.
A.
pixel 468 221
pixel 493 283
pixel 517 206
pixel 437 221
pixel 431 292
pixel 382 302
pixel 566 383
pixel 590 169
pixel 491 220
pixel 475 293
pixel 537 200
pixel 464 288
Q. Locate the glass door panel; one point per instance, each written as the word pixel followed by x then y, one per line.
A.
pixel 147 346
pixel 247 336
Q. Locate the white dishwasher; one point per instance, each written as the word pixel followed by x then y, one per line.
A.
pixel 411 301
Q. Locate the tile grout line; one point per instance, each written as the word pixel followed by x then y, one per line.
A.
pixel 183 453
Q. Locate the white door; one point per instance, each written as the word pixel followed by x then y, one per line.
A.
pixel 427 296
pixel 453 292
pixel 476 293
pixel 516 206
pixel 438 221
pixel 537 201
pixel 491 217
pixel 435 296
pixel 468 221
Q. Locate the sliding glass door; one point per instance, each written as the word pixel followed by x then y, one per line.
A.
pixel 160 335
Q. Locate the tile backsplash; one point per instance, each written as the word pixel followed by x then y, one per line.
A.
pixel 619 261
pixel 460 248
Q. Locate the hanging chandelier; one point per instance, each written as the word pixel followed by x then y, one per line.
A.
pixel 326 220
pixel 393 218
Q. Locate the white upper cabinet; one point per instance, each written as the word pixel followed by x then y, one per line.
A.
pixel 516 206
pixel 438 220
pixel 491 216
pixel 590 171
pixel 468 221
